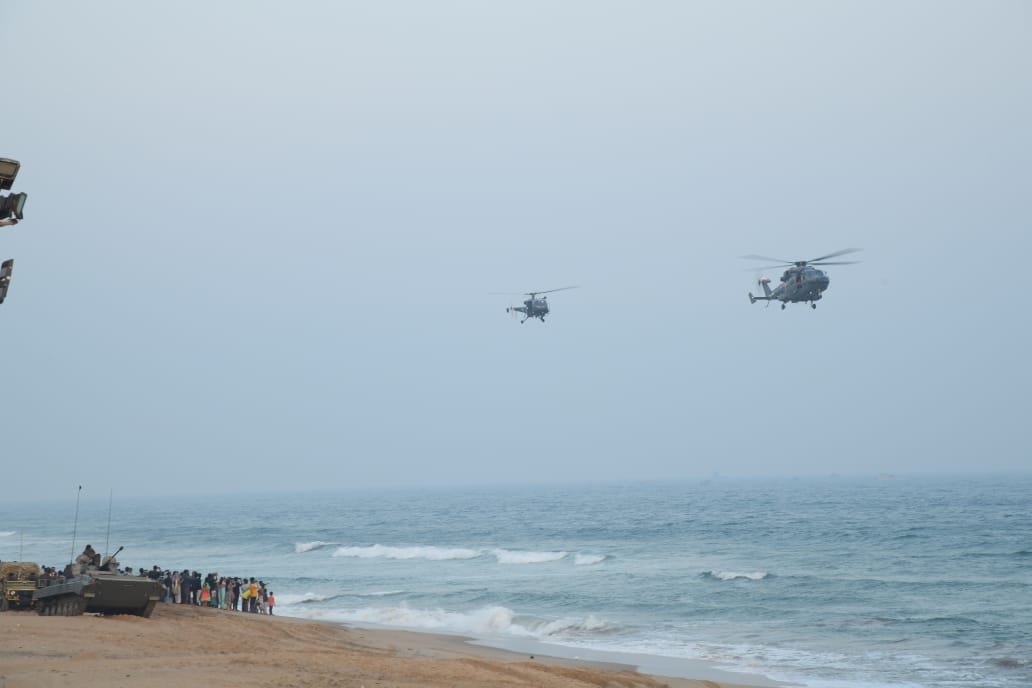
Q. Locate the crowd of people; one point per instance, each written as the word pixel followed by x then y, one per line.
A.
pixel 213 590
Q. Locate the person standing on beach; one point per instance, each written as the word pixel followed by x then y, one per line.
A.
pixel 252 596
pixel 272 602
pixel 184 587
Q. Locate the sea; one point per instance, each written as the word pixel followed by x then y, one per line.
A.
pixel 831 582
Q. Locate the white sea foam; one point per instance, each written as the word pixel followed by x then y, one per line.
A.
pixel 506 556
pixel 383 552
pixel 588 559
pixel 490 620
pixel 478 621
pixel 564 628
pixel 733 575
pixel 7 533
pixel 302 547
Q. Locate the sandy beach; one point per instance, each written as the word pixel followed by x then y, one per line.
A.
pixel 189 646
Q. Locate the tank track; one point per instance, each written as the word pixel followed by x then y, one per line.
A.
pixel 61 605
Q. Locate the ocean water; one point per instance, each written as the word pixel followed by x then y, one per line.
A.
pixel 913 582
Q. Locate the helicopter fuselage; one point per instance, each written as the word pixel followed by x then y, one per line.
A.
pixel 804 284
pixel 533 308
pixel 536 306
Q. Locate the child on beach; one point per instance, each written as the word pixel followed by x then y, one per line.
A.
pixel 271 602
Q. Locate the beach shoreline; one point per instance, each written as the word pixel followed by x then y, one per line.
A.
pixel 185 645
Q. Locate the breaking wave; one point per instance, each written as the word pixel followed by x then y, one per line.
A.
pixel 313 598
pixel 484 620
pixel 7 533
pixel 735 575
pixel 383 552
pixel 495 620
pixel 432 553
pixel 566 628
pixel 588 559
pixel 506 556
pixel 307 598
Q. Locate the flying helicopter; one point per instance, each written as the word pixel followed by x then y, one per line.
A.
pixel 534 307
pixel 801 282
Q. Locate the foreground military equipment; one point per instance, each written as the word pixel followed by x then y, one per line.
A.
pixel 98 592
pixel 18 582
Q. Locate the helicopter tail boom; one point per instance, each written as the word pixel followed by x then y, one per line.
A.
pixel 767 294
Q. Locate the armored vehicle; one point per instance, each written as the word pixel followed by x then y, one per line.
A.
pixel 98 590
pixel 18 582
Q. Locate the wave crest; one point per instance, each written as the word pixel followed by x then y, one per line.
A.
pixel 735 575
pixel 306 598
pixel 7 533
pixel 302 547
pixel 588 559
pixel 592 625
pixel 491 620
pixel 506 556
pixel 484 620
pixel 430 553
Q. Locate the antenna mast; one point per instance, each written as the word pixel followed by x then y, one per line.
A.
pixel 108 540
pixel 75 527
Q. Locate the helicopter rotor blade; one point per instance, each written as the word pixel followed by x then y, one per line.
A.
pixel 836 262
pixel 834 255
pixel 770 267
pixel 532 294
pixel 769 259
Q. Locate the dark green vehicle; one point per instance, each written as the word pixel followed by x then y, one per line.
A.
pixel 97 590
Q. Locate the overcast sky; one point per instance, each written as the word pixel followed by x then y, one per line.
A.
pixel 261 238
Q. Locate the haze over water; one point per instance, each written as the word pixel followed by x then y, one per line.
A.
pixel 266 233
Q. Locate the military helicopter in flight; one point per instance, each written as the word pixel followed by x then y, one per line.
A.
pixel 533 307
pixel 802 282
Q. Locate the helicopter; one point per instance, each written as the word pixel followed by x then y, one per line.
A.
pixel 534 307
pixel 802 282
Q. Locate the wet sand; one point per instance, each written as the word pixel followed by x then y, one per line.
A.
pixel 191 647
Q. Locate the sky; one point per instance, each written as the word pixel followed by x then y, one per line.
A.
pixel 262 239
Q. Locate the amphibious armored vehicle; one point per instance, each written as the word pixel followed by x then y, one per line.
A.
pixel 98 591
